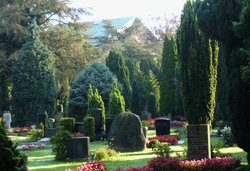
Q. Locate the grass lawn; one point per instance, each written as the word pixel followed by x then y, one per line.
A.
pixel 41 160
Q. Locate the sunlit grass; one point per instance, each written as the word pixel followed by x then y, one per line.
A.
pixel 43 160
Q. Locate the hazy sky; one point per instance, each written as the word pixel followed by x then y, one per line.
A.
pixel 108 9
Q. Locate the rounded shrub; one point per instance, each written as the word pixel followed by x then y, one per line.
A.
pixel 68 123
pixel 126 133
pixel 153 143
pixel 89 127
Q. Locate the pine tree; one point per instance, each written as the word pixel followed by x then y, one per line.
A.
pixel 10 157
pixel 199 58
pixel 167 83
pixel 116 101
pixel 33 90
pixel 116 64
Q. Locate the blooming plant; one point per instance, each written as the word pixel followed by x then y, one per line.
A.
pixel 91 166
pixel 174 164
pixel 22 131
pixel 31 147
pixel 173 140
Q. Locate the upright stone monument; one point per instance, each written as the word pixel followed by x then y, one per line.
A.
pixel 97 114
pixel 198 141
pixel 7 119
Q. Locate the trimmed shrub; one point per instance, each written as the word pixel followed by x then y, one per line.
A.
pixel 68 124
pixel 36 134
pixel 89 127
pixel 126 133
pixel 91 166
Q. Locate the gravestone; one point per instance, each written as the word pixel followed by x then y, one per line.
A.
pixel 198 141
pixel 97 114
pixel 108 125
pixel 162 126
pixel 145 115
pixel 79 127
pixel 7 119
pixel 78 147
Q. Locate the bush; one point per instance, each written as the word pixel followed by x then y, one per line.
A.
pixel 58 144
pixel 68 124
pixel 162 150
pixel 104 154
pixel 91 166
pixel 227 136
pixel 153 143
pixel 10 157
pixel 126 133
pixel 89 127
pixel 145 123
pixel 36 134
pixel 41 126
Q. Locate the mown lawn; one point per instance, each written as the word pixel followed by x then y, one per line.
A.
pixel 41 160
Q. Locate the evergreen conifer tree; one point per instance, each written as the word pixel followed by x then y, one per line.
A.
pixel 116 64
pixel 116 101
pixel 154 88
pixel 33 90
pixel 199 58
pixel 167 83
pixel 95 101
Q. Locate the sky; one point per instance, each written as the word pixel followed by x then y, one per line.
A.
pixel 109 9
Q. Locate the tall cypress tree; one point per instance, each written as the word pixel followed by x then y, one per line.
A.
pixel 228 22
pixel 154 92
pixel 198 57
pixel 116 101
pixel 167 83
pixel 33 90
pixel 116 64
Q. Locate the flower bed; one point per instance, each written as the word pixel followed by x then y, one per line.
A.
pixel 173 140
pixel 21 131
pixel 32 147
pixel 214 164
pixel 91 166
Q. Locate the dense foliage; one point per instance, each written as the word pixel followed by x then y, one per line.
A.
pixel 228 22
pixel 198 58
pixel 10 157
pixel 126 133
pixel 96 74
pixel 68 124
pixel 167 83
pixel 33 90
pixel 116 101
pixel 116 64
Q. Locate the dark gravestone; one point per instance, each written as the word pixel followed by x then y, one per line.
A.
pixel 145 115
pixel 108 125
pixel 78 147
pixel 97 114
pixel 79 127
pixel 198 141
pixel 49 132
pixel 162 126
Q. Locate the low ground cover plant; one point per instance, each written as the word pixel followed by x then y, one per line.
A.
pixel 91 166
pixel 175 164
